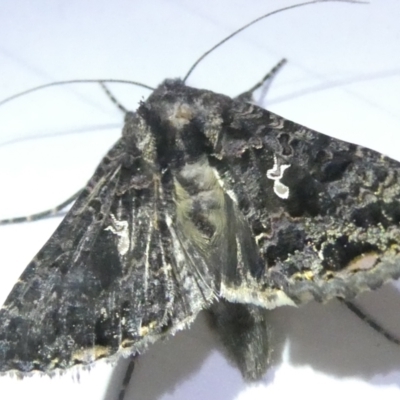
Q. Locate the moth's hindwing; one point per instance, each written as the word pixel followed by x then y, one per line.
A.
pixel 203 197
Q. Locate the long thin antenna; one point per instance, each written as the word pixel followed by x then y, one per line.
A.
pixel 59 83
pixel 204 55
pixel 369 321
pixel 52 212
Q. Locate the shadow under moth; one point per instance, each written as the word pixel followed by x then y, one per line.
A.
pixel 205 202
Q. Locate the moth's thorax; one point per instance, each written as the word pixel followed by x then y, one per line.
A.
pixel 184 120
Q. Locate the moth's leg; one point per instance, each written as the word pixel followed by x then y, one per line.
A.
pixel 245 333
pixel 53 212
pixel 127 378
pixel 113 98
pixel 368 320
pixel 248 94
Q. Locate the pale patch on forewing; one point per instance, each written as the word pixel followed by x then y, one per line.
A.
pixel 120 229
pixel 147 258
pixel 90 354
pixel 250 293
pixel 276 174
pixel 249 290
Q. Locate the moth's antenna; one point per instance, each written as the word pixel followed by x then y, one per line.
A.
pixel 369 321
pixel 60 133
pixel 204 55
pixel 59 83
pixel 52 212
pixel 113 98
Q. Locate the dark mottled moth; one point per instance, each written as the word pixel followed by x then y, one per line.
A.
pixel 203 181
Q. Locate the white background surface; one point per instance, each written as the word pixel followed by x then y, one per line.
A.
pixel 342 79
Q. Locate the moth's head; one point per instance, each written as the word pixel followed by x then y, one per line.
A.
pixel 183 121
pixel 173 103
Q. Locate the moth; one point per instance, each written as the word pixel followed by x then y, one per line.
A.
pixel 283 175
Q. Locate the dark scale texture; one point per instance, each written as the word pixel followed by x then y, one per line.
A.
pixel 204 202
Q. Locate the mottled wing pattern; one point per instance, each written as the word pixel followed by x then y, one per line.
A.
pixel 112 278
pixel 306 216
pixel 324 213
